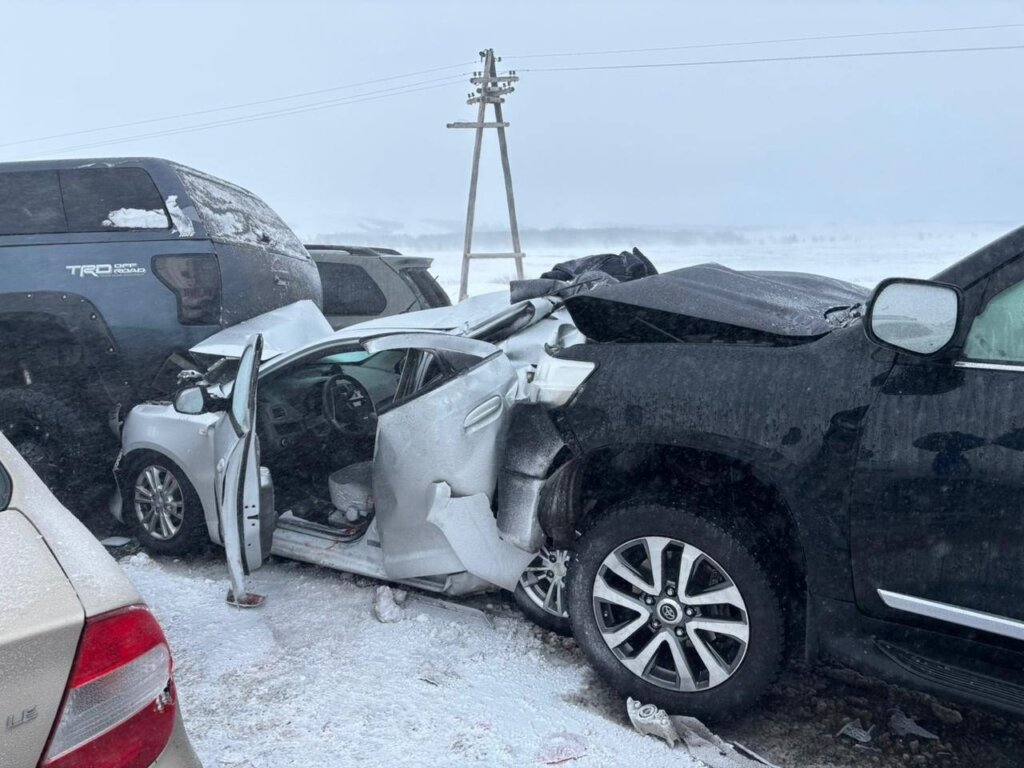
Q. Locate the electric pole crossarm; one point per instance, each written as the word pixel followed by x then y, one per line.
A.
pixel 478 125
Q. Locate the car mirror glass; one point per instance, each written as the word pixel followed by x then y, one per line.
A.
pixel 914 316
pixel 191 400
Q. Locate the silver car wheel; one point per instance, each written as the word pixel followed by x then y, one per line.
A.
pixel 670 614
pixel 543 581
pixel 159 502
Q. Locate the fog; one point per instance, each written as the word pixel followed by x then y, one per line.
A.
pixel 889 139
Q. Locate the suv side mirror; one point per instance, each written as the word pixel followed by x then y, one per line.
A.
pixel 915 316
pixel 190 400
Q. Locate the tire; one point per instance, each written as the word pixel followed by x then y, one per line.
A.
pixel 174 524
pixel 52 437
pixel 533 597
pixel 722 674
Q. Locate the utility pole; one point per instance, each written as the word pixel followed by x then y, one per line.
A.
pixel 492 88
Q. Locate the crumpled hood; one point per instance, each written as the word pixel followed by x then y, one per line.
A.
pixel 665 306
pixel 283 329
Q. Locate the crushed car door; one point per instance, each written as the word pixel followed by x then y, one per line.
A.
pixel 447 427
pixel 245 529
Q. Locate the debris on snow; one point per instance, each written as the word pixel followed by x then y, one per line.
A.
pixel 699 741
pixel 747 752
pixel 115 541
pixel 948 715
pixel 561 747
pixel 140 560
pixel 902 725
pixel 651 721
pixel 854 730
pixel 385 607
pixel 446 610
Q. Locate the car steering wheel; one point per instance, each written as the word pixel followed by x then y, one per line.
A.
pixel 347 405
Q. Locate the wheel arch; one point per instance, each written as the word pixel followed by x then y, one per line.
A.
pixel 733 491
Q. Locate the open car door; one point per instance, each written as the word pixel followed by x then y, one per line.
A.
pixel 437 458
pixel 245 529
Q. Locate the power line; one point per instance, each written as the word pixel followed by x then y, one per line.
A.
pixel 813 57
pixel 316 106
pixel 230 107
pixel 764 42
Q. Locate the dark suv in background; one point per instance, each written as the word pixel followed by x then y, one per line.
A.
pixel 110 270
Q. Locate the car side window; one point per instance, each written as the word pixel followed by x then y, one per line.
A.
pixel 5 488
pixel 349 290
pixel 104 199
pixel 997 333
pixel 30 203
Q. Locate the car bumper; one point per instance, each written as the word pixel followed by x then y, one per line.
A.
pixel 179 752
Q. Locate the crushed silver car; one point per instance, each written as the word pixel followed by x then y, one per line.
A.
pixel 375 449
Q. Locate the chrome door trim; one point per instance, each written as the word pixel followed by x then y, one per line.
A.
pixel 965 617
pixel 1019 368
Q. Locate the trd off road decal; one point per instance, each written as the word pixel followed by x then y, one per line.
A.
pixel 131 269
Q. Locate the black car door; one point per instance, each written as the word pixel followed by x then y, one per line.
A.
pixel 937 519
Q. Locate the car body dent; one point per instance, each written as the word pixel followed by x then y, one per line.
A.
pixel 283 330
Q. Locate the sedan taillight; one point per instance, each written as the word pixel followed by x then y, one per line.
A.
pixel 119 707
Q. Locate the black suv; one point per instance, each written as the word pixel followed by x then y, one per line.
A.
pixel 110 270
pixel 766 460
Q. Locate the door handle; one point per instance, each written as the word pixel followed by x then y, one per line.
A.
pixel 483 412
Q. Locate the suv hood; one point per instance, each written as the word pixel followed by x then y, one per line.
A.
pixel 712 302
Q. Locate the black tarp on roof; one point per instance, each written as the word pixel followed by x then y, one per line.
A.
pixel 783 304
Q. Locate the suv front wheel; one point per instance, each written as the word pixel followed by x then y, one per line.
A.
pixel 673 610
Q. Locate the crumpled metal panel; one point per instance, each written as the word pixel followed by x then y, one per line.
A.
pixel 452 434
pixel 284 329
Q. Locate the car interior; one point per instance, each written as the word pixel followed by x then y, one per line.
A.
pixel 317 426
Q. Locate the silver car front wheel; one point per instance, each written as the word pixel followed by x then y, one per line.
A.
pixel 159 502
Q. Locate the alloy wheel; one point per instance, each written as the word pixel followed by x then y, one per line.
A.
pixel 670 614
pixel 543 581
pixel 159 502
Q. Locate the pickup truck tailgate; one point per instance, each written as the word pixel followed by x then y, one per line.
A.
pixel 41 619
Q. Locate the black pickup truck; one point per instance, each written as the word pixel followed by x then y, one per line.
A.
pixel 110 270
pixel 763 461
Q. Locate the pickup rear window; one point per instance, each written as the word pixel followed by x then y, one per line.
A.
pixel 234 215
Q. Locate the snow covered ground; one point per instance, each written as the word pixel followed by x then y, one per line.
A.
pixel 313 679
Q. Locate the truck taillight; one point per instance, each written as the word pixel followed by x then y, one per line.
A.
pixel 119 707
pixel 195 281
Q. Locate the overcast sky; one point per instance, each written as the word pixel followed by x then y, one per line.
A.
pixel 867 140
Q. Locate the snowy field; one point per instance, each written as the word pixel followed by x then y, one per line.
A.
pixel 313 679
pixel 861 254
